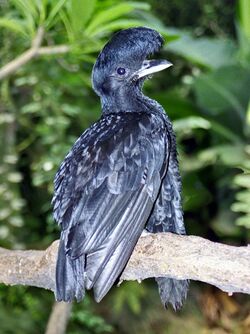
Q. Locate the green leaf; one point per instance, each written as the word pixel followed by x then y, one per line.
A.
pixel 28 11
pixel 26 7
pixel 225 132
pixel 80 12
pixel 153 22
pixel 244 15
pixel 177 105
pixel 191 163
pixel 242 180
pixel 244 221
pixel 54 12
pixel 229 155
pixel 224 224
pixel 195 194
pixel 42 9
pixel 188 124
pixel 243 196
pixel 247 126
pixel 209 52
pixel 246 166
pixel 116 25
pixel 241 207
pixel 14 25
pixel 66 21
pixel 111 14
pixel 224 89
pixel 31 108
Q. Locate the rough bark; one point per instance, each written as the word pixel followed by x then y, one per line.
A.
pixel 163 254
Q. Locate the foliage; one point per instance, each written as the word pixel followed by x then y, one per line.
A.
pixel 219 81
pixel 30 313
pixel 49 102
pixel 87 319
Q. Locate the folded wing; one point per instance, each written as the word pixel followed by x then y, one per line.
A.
pixel 105 191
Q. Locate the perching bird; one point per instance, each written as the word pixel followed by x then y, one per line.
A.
pixel 120 177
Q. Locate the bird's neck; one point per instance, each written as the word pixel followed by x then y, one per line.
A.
pixel 128 99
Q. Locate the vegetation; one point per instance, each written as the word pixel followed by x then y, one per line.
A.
pixel 48 102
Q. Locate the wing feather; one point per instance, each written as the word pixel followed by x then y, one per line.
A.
pixel 120 252
pixel 167 216
pixel 104 192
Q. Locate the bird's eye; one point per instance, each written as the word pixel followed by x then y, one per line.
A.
pixel 121 71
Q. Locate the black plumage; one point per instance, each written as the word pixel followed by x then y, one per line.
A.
pixel 120 177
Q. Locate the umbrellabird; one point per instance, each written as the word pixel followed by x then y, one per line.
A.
pixel 121 176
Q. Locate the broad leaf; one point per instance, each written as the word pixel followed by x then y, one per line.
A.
pixel 80 12
pixel 208 52
pixel 113 13
pixel 224 89
pixel 116 25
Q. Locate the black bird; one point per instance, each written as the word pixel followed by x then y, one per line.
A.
pixel 120 177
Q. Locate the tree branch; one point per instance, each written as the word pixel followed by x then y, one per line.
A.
pixel 35 51
pixel 53 50
pixel 59 318
pixel 162 254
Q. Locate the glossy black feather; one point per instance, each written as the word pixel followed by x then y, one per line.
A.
pixel 104 193
pixel 167 216
pixel 120 177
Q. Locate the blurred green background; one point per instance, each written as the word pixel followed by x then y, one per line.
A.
pixel 47 103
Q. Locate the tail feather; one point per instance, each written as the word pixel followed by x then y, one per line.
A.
pixel 79 275
pixel 172 291
pixel 69 276
pixel 109 262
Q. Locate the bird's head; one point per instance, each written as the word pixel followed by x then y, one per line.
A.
pixel 122 65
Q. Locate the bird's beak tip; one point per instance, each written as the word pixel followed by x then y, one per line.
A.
pixel 153 66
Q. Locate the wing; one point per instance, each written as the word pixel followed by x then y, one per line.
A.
pixel 104 193
pixel 167 216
